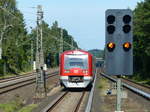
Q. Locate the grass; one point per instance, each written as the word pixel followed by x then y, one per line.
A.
pixel 13 105
pixel 108 100
pixel 102 83
pixel 28 108
pixel 11 75
pixel 10 107
pixel 6 76
pixel 138 79
pixel 16 106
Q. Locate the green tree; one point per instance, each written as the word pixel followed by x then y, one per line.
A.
pixel 13 31
pixel 16 42
pixel 51 41
pixel 142 39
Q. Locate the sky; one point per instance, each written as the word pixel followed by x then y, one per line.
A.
pixel 83 19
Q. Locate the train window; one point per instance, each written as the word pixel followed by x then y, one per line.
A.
pixel 76 64
pixel 73 62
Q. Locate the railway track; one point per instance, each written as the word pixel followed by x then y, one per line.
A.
pixel 73 100
pixel 133 86
pixel 16 77
pixel 18 82
pixel 66 101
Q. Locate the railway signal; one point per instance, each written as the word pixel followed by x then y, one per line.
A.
pixel 118 53
pixel 127 46
pixel 110 46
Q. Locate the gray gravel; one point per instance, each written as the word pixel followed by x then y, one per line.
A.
pixel 97 100
pixel 107 103
pixel 26 93
pixel 49 99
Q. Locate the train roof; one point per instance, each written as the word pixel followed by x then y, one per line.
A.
pixel 76 51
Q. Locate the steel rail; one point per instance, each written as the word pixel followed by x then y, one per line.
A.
pixel 16 81
pixel 146 86
pixel 18 84
pixel 138 91
pixel 52 105
pixel 90 100
pixel 79 102
pixel 29 82
pixel 15 77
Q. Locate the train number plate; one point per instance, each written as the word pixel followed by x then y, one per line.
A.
pixel 76 79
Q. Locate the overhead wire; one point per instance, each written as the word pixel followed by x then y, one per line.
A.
pixel 25 42
pixel 57 39
pixel 54 37
pixel 14 16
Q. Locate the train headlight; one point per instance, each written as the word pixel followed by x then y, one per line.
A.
pixel 85 71
pixel 67 71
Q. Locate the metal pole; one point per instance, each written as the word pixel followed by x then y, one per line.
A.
pixel 72 43
pixel 61 41
pixel 0 49
pixel 4 51
pixel 31 55
pixel 40 79
pixel 1 45
pixel 41 33
pixel 119 93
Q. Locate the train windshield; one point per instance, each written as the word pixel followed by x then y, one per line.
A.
pixel 76 62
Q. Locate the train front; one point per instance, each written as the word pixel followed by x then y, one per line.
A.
pixel 76 69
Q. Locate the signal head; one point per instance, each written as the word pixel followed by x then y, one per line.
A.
pixel 127 46
pixel 127 19
pixel 111 19
pixel 126 28
pixel 110 29
pixel 118 44
pixel 111 46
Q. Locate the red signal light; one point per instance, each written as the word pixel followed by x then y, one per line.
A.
pixel 111 46
pixel 127 46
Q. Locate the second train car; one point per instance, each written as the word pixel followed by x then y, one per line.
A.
pixel 77 69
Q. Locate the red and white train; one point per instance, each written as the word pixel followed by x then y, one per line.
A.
pixel 77 69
